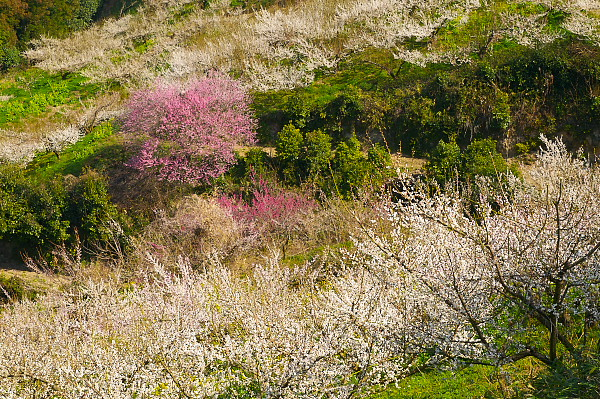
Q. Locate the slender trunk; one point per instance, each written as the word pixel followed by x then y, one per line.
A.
pixel 554 321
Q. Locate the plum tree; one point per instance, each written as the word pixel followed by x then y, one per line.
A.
pixel 189 133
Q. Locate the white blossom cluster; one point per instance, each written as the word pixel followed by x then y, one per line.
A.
pixel 21 147
pixel 275 333
pixel 18 147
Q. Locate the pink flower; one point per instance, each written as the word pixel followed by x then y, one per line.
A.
pixel 191 132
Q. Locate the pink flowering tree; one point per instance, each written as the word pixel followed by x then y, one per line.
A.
pixel 270 212
pixel 190 132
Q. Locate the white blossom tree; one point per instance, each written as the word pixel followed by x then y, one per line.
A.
pixel 514 275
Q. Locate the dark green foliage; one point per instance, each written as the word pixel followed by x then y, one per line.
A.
pixel 315 161
pixel 317 152
pixel 31 212
pixel 56 17
pixel 445 162
pixel 36 214
pixel 344 170
pixel 90 209
pixel 118 8
pixel 11 14
pixel 351 168
pixel 10 57
pixel 336 110
pixel 352 171
pixel 481 158
pixel 24 20
pixel 289 147
pixel 256 161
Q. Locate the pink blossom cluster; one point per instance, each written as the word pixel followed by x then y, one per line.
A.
pixel 268 207
pixel 190 133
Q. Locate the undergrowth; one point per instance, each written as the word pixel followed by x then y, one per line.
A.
pixel 34 92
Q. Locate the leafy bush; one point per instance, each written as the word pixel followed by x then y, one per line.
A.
pixel 257 162
pixel 190 133
pixel 318 153
pixel 38 214
pixel 344 170
pixel 9 57
pixel 289 147
pixel 90 209
pixel 56 18
pixel 444 162
pixel 350 167
pixel 481 158
pixel 31 213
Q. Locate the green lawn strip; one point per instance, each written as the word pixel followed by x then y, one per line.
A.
pixel 476 381
pixel 472 382
pixel 98 150
pixel 35 92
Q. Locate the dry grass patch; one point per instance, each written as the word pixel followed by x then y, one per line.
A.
pixel 408 164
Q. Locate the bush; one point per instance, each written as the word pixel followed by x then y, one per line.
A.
pixel 40 214
pixel 350 170
pixel 256 161
pixel 481 158
pixel 344 170
pixel 353 171
pixel 90 209
pixel 289 147
pixel 9 57
pixel 445 161
pixel 318 154
pixel 30 212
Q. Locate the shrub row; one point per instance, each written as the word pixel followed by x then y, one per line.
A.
pixel 448 163
pixel 313 159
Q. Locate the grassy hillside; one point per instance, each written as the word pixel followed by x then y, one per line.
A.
pixel 381 70
pixel 310 198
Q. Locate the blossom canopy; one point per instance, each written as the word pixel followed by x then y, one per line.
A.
pixel 190 132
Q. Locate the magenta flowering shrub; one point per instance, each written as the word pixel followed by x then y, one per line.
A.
pixel 269 208
pixel 190 132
